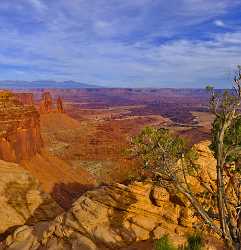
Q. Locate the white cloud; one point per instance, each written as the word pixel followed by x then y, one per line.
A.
pixel 119 42
pixel 219 23
pixel 38 5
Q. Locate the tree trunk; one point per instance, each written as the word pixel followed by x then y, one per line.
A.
pixel 221 190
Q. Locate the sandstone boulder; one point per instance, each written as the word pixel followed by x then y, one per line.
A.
pixel 112 216
pixel 21 199
pixel 116 216
pixel 206 162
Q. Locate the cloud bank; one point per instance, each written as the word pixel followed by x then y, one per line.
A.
pixel 121 43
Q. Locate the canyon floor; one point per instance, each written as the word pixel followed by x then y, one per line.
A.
pixel 86 145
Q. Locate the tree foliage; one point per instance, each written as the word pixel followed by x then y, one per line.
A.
pixel 160 150
pixel 172 163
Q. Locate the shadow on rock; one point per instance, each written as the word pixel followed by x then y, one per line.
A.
pixel 65 194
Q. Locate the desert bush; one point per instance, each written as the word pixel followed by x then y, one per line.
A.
pixel 194 242
pixel 164 244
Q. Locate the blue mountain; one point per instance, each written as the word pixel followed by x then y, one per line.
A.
pixel 44 84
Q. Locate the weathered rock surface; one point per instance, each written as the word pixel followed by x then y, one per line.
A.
pixel 46 103
pixel 112 217
pixel 21 199
pixel 20 136
pixel 25 98
pixel 206 162
pixel 59 105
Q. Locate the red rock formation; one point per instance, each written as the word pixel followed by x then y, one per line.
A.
pixel 20 136
pixel 59 104
pixel 46 103
pixel 25 98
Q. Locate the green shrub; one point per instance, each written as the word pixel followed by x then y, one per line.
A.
pixel 164 244
pixel 194 242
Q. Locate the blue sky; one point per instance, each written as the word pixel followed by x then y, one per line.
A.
pixel 121 43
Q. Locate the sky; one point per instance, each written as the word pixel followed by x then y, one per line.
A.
pixel 121 43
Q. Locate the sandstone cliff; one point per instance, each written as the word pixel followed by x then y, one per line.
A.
pixel 20 136
pixel 25 98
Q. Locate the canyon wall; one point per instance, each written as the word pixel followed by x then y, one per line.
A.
pixel 25 98
pixel 20 136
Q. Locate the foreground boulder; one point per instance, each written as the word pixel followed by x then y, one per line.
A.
pixel 112 217
pixel 116 216
pixel 21 199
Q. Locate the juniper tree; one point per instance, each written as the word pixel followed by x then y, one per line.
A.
pixel 172 163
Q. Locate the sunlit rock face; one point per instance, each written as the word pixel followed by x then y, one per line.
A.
pixel 116 216
pixel 20 136
pixel 25 98
pixel 59 105
pixel 112 216
pixel 22 200
pixel 46 103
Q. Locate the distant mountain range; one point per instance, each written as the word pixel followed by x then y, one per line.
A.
pixel 44 84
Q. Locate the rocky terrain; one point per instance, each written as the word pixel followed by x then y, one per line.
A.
pixel 75 151
pixel 47 104
pixel 25 98
pixel 20 136
pixel 22 201
pixel 115 216
pixel 21 142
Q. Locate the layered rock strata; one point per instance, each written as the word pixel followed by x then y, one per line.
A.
pixel 25 98
pixel 112 217
pixel 20 136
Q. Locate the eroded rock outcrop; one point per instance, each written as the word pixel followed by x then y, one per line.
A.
pixel 115 216
pixel 46 103
pixel 21 199
pixel 112 216
pixel 59 105
pixel 20 136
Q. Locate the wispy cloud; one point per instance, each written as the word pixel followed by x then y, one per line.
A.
pixel 38 4
pixel 119 43
pixel 219 23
